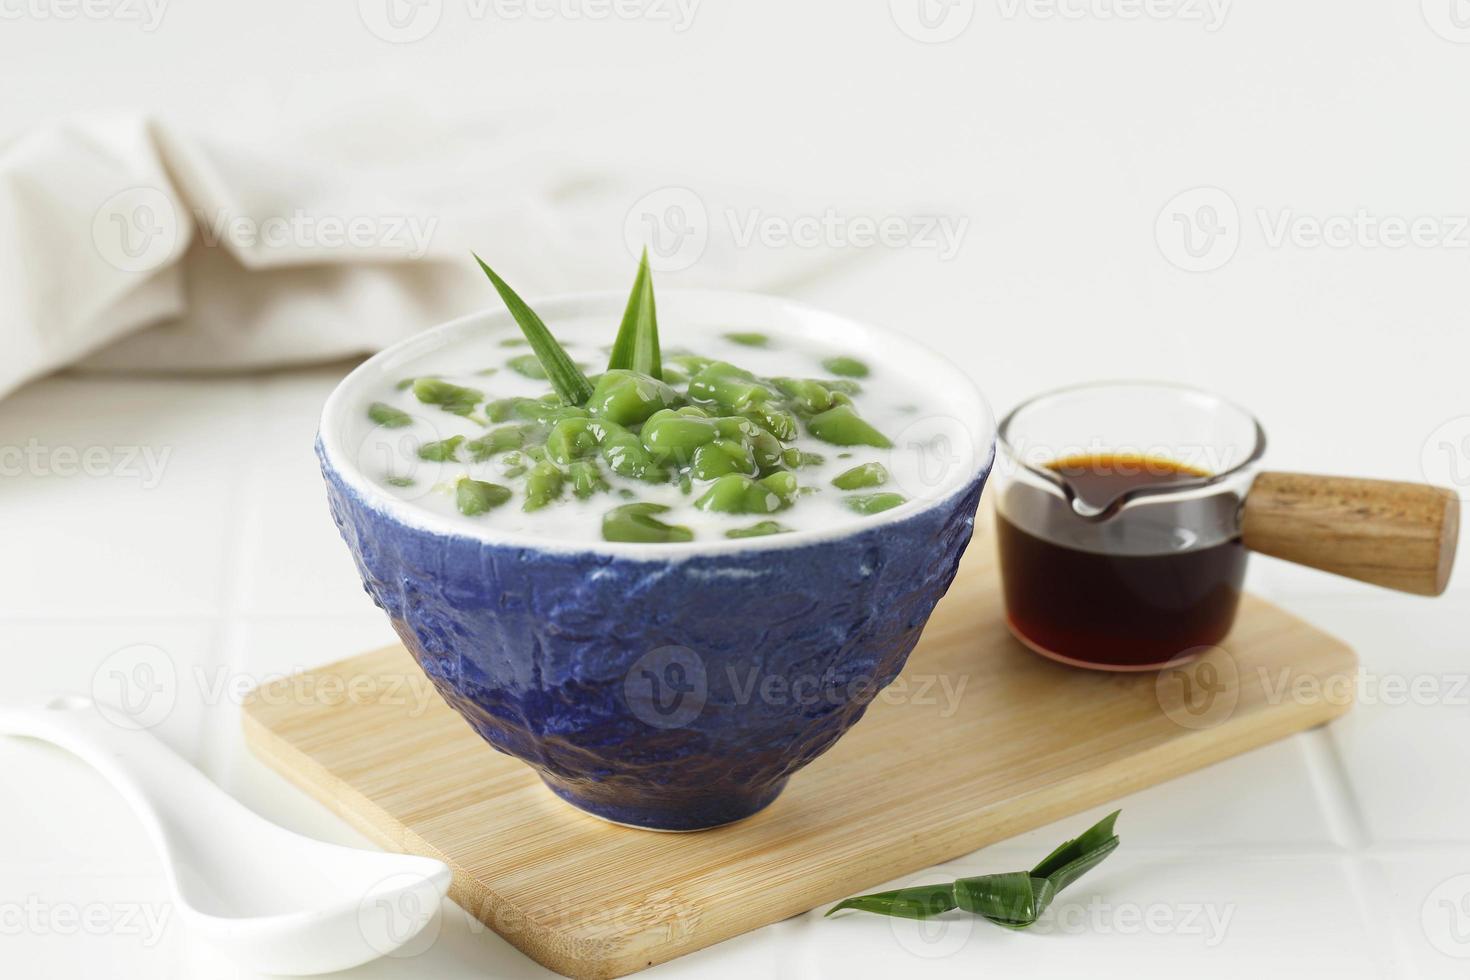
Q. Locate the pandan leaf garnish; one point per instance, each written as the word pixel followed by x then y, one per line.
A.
pixel 570 384
pixel 636 348
pixel 1014 900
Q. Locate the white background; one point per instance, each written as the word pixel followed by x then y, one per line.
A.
pixel 1063 143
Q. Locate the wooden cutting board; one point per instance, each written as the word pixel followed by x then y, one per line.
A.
pixel 978 740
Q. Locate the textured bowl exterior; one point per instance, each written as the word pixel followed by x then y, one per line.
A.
pixel 668 694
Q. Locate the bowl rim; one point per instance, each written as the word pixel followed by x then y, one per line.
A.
pixel 344 397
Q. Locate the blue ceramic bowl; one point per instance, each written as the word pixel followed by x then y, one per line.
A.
pixel 672 687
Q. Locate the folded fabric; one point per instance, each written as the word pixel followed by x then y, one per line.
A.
pixel 133 245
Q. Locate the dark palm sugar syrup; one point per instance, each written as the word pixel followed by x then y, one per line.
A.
pixel 1124 608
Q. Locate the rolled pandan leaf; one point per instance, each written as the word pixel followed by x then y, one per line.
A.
pixel 1015 899
pixel 1069 873
pixel 918 902
pixel 1018 898
pixel 1080 855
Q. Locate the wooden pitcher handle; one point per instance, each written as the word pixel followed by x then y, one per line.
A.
pixel 1398 535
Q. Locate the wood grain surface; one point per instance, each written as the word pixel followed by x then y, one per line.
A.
pixel 979 740
pixel 1398 535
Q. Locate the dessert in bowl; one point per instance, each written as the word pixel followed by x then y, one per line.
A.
pixel 671 597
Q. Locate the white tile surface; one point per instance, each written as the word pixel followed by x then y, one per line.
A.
pixel 84 923
pixel 74 826
pixel 1339 851
pixel 285 512
pixel 259 650
pixel 162 668
pixel 137 539
pixel 1404 750
pixel 1424 898
pixel 1323 850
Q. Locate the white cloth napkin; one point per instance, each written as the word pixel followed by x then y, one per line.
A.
pixel 129 244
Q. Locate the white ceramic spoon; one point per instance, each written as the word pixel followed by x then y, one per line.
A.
pixel 273 900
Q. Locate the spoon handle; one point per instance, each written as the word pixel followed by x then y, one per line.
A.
pixel 160 787
pixel 1398 535
pixel 277 902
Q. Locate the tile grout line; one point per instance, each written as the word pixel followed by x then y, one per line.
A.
pixel 1345 816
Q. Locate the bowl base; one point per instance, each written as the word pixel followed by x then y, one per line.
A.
pixel 669 816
